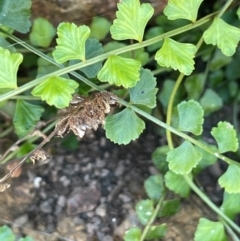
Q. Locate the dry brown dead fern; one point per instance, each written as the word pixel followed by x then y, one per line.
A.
pixel 84 112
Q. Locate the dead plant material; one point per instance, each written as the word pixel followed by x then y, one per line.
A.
pixel 82 114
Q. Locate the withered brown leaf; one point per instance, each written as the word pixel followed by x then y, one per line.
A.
pixel 85 113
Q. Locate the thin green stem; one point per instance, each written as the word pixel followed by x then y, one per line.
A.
pixel 225 7
pixel 211 204
pixel 230 231
pixel 178 133
pixel 169 109
pixel 154 215
pixel 99 58
pixel 6 132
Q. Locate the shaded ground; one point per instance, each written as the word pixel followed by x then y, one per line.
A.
pixel 90 194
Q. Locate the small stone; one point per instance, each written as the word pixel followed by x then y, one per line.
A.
pixel 104 172
pixel 87 168
pixel 61 201
pixel 21 220
pixel 107 238
pixel 65 181
pixel 37 182
pixel 45 207
pixel 153 170
pixel 124 198
pixel 101 210
pixel 103 141
pixel 100 163
pixel 119 170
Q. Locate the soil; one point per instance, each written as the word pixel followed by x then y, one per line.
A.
pixel 89 194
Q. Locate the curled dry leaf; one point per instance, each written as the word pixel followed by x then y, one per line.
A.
pixel 86 113
pixel 4 186
pixel 17 172
pixel 38 155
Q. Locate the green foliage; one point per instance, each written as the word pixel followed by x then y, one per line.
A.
pixel 231 204
pixel 99 28
pixel 214 85
pixel 169 207
pixel 42 33
pixel 154 187
pixel 133 234
pixel 190 117
pixel 210 231
pixel 120 71
pixel 56 91
pixel 124 126
pixel 230 179
pixel 179 56
pixel 131 21
pixel 93 49
pixel 9 63
pixel 144 92
pixel 156 232
pixel 210 101
pixel 7 234
pixel 226 137
pixel 218 34
pixel 177 183
pixel 183 158
pixel 182 9
pixel 144 210
pixel 26 117
pixel 15 14
pixel 71 42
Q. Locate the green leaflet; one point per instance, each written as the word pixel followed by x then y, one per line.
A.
pixel 210 231
pixel 210 101
pixel 56 91
pixel 93 49
pixel 156 232
pixel 190 117
pixel 225 136
pixel 25 117
pixel 131 20
pixel 183 158
pixel 230 179
pixel 177 55
pixel 144 210
pixel 42 33
pixel 181 9
pixel 154 187
pixel 225 36
pixel 16 14
pixel 6 234
pixel 120 71
pixel 124 126
pixel 100 27
pixel 144 92
pixel 71 42
pixel 133 234
pixel 231 204
pixel 177 183
pixel 9 63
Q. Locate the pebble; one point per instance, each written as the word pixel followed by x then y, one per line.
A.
pixel 61 201
pixel 101 210
pixel 119 170
pixel 21 220
pixel 124 198
pixel 100 163
pixel 46 206
pixel 65 181
pixel 37 182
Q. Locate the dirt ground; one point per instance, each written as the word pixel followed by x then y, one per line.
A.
pixel 89 194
